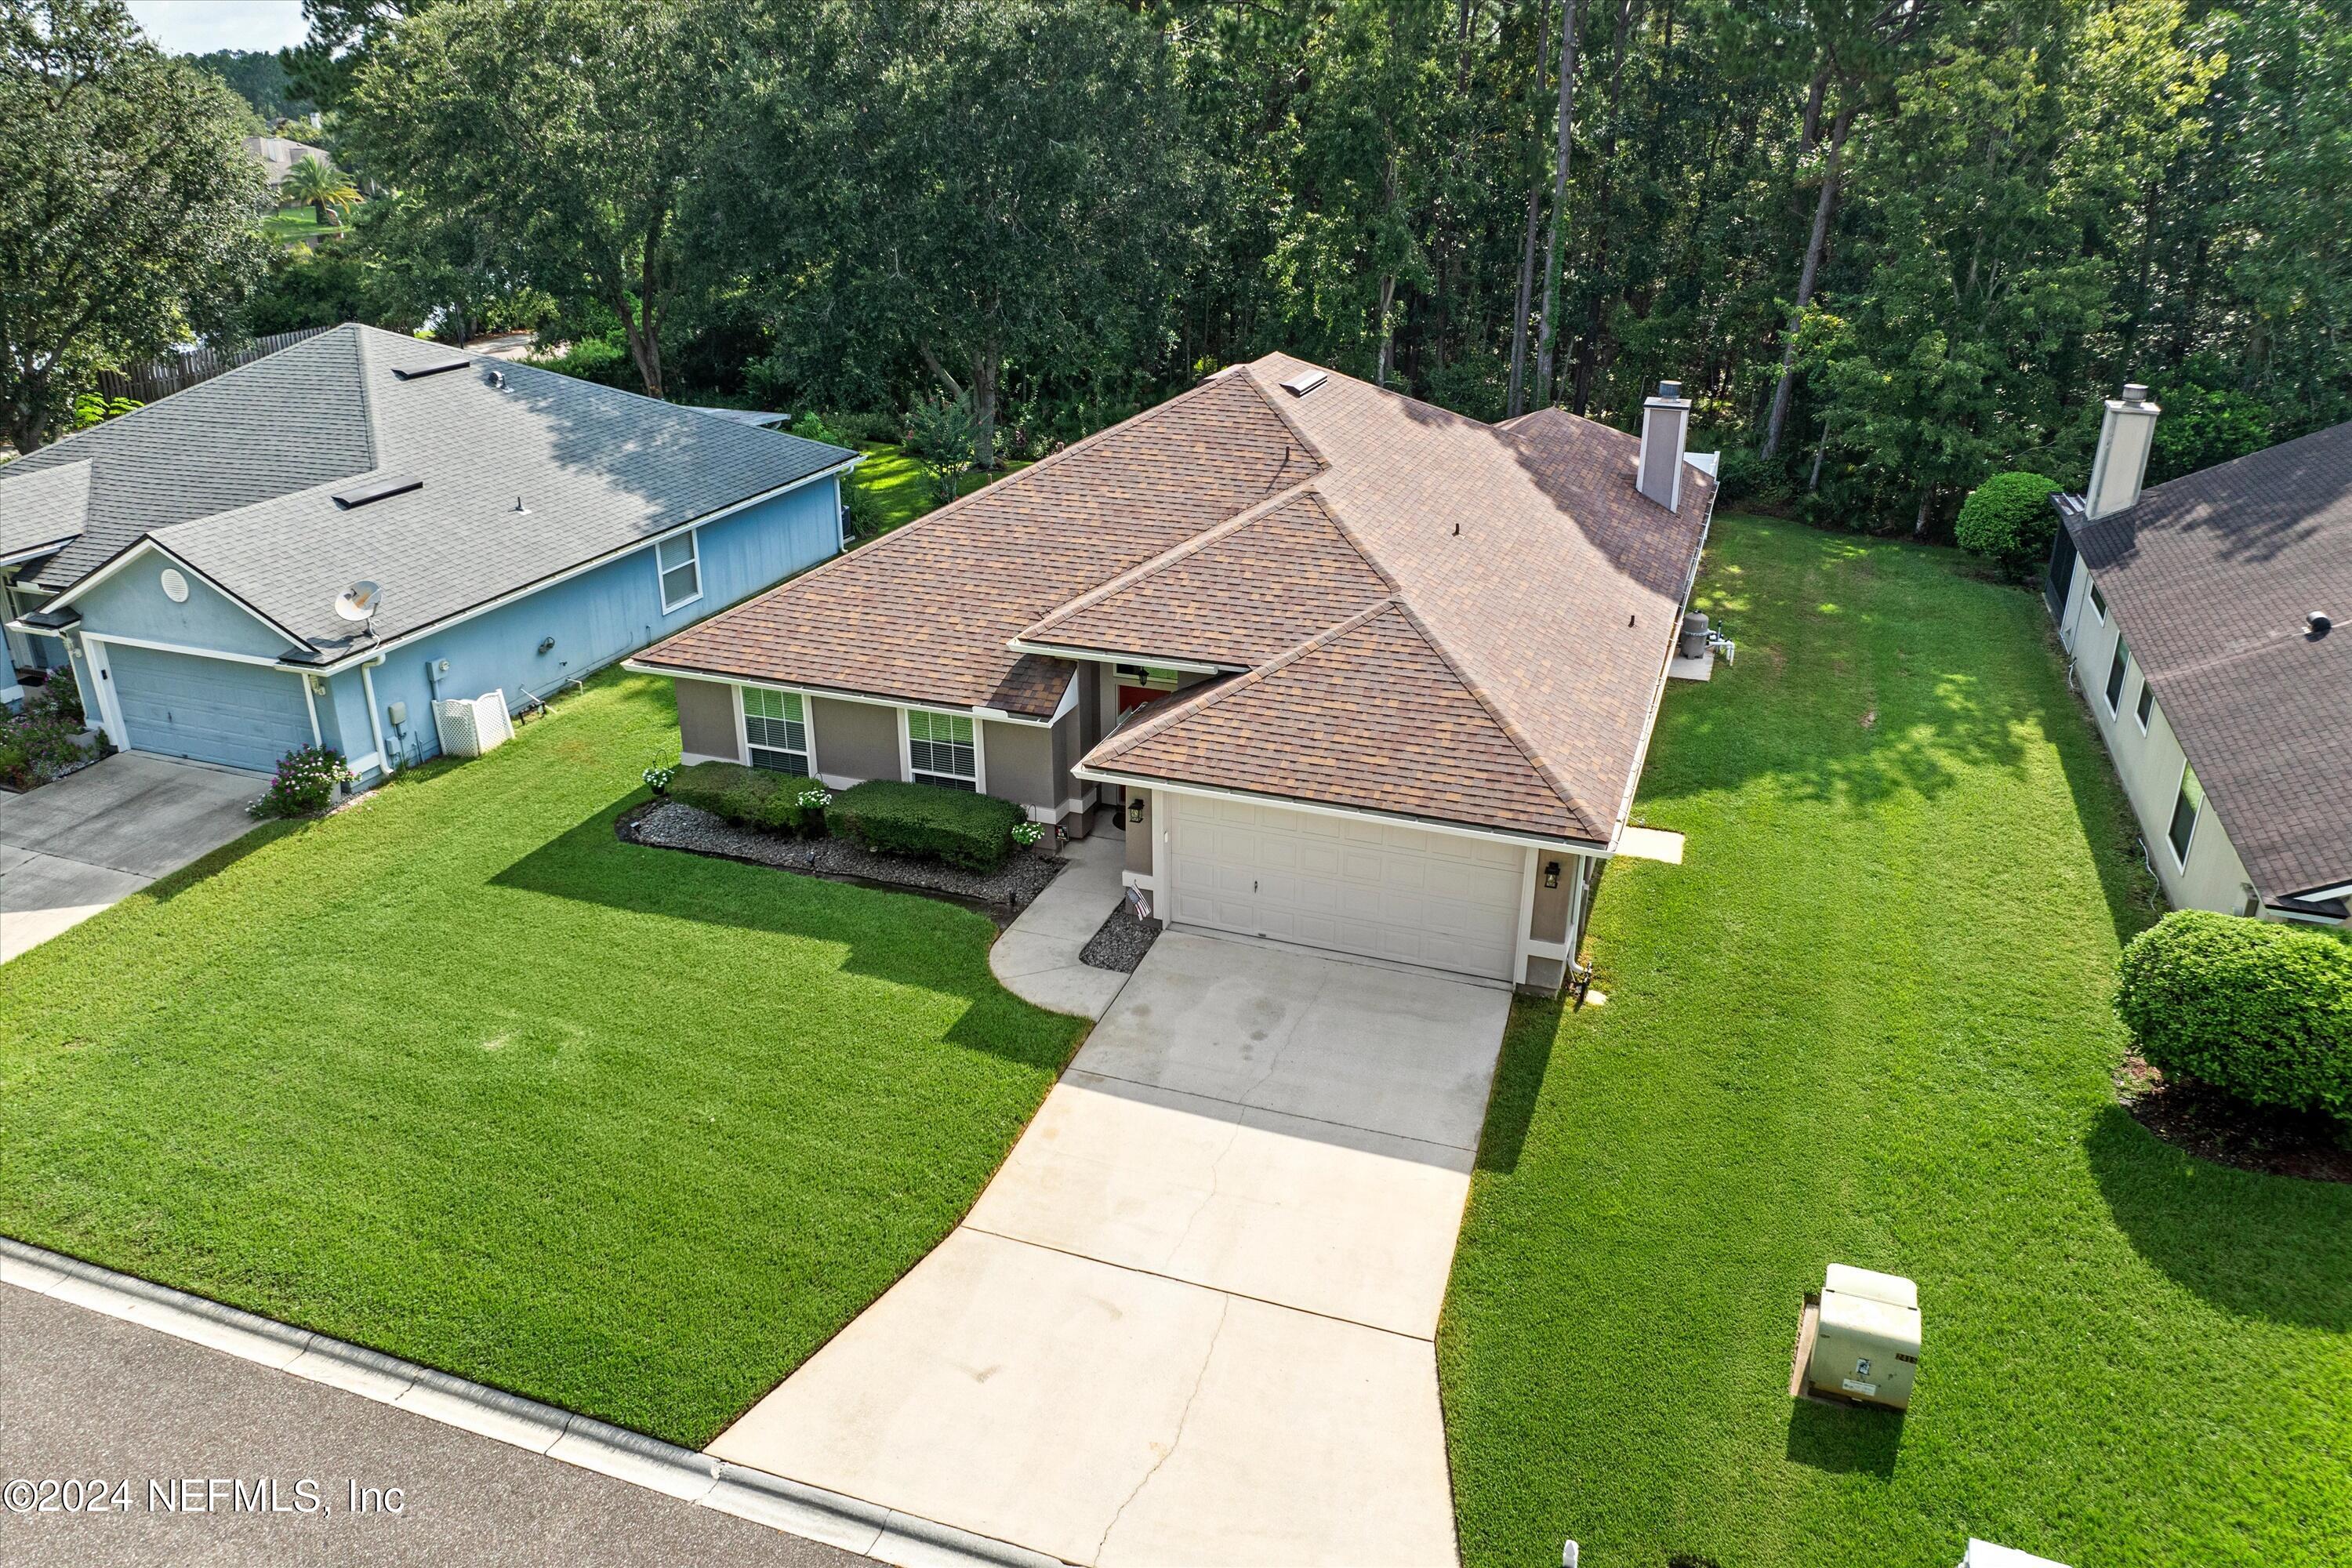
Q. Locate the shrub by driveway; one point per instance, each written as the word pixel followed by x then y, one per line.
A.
pixel 1867 1020
pixel 459 1074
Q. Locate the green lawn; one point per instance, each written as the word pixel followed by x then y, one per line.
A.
pixel 1867 1021
pixel 904 492
pixel 295 224
pixel 456 1075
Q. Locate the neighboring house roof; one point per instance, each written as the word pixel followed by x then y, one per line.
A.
pixel 279 154
pixel 238 477
pixel 44 511
pixel 1438 617
pixel 2210 577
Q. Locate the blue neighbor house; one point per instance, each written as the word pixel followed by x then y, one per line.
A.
pixel 522 528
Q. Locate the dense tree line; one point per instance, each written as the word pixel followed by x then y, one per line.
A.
pixel 1889 245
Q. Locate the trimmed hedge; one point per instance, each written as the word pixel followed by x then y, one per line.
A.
pixel 2010 518
pixel 753 797
pixel 974 831
pixel 2257 1010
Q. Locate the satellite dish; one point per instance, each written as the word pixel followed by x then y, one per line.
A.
pixel 359 602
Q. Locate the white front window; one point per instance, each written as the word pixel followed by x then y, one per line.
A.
pixel 680 565
pixel 940 750
pixel 775 731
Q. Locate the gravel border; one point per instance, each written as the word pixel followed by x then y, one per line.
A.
pixel 668 825
pixel 1122 940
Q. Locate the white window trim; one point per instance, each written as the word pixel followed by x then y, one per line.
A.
pixel 693 537
pixel 2180 851
pixel 2120 681
pixel 743 729
pixel 979 745
pixel 2147 698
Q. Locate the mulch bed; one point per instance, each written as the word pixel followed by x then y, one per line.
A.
pixel 2213 1126
pixel 999 894
pixel 1121 942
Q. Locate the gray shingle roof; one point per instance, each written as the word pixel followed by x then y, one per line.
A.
pixel 48 507
pixel 236 476
pixel 2211 576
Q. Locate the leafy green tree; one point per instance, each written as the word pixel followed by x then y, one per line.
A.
pixel 1007 186
pixel 307 286
pixel 321 183
pixel 2009 519
pixel 573 128
pixel 258 77
pixel 344 35
pixel 942 435
pixel 128 206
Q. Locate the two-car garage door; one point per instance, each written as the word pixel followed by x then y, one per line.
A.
pixel 241 715
pixel 1378 889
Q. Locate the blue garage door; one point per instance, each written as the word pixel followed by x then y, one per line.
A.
pixel 242 715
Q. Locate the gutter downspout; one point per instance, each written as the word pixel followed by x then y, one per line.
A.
pixel 375 718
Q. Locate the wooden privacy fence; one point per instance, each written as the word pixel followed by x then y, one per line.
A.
pixel 175 372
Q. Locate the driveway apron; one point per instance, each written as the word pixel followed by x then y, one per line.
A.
pixel 1191 1321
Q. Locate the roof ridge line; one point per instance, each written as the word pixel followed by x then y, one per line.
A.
pixel 367 395
pixel 1347 533
pixel 1117 744
pixel 1051 460
pixel 1181 550
pixel 1248 369
pixel 1502 721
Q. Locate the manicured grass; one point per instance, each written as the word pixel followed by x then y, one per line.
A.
pixel 901 488
pixel 456 1075
pixel 1867 1021
pixel 295 224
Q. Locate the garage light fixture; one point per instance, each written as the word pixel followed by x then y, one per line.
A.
pixel 1552 873
pixel 1134 809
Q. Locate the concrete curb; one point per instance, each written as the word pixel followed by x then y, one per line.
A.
pixel 776 1501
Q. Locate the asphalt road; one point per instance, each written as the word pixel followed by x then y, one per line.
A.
pixel 86 1399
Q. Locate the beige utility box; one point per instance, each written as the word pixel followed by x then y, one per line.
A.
pixel 1866 1345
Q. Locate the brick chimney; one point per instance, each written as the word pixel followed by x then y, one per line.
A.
pixel 1665 429
pixel 2126 436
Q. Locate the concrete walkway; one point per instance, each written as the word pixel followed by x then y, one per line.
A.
pixel 1036 959
pixel 1191 1321
pixel 71 848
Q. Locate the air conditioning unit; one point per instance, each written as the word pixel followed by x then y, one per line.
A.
pixel 468 729
pixel 1985 1554
pixel 1866 1342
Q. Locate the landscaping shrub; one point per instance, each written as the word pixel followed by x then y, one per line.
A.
pixel 41 739
pixel 2009 517
pixel 305 784
pixel 974 831
pixel 758 798
pixel 2257 1010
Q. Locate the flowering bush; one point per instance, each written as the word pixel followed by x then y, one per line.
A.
pixel 305 784
pixel 43 738
pixel 658 778
pixel 1028 834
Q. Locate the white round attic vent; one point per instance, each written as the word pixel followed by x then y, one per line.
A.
pixel 175 587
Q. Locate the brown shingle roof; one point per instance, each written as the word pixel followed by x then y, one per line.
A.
pixel 2211 576
pixel 1238 594
pixel 1528 599
pixel 924 614
pixel 1368 714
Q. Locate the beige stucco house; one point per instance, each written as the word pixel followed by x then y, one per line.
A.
pixel 1347 669
pixel 2200 617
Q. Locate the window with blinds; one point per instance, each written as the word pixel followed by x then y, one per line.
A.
pixel 940 750
pixel 775 731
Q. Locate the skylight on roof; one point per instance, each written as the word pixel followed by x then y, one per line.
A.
pixel 378 490
pixel 1305 382
pixel 438 367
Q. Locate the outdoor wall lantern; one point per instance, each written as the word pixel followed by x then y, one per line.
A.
pixel 1552 873
pixel 1134 809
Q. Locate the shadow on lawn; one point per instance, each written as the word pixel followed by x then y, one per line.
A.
pixel 1518 1082
pixel 901 938
pixel 1842 1441
pixel 2270 1247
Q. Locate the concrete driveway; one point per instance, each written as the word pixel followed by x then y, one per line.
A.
pixel 1190 1322
pixel 71 848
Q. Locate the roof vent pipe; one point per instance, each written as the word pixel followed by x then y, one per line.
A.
pixel 2126 436
pixel 1666 430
